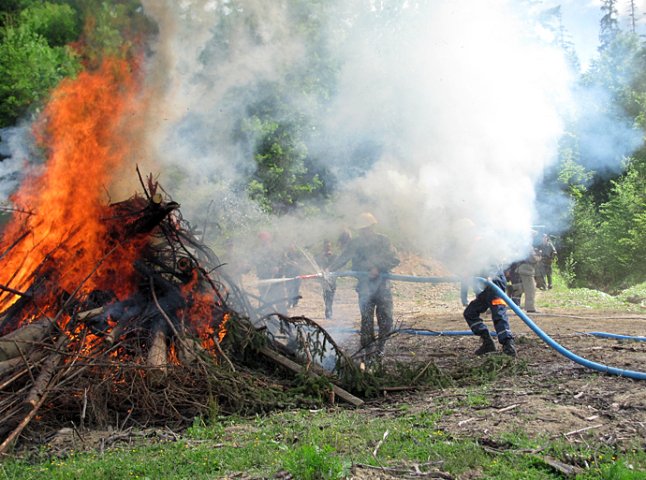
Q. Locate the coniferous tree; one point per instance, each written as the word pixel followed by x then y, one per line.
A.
pixel 632 12
pixel 552 19
pixel 609 26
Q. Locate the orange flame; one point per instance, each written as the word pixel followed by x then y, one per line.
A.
pixel 204 313
pixel 71 240
pixel 80 130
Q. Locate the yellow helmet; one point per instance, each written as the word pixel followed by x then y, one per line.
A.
pixel 366 219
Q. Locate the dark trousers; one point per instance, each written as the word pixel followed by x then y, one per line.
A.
pixel 515 292
pixel 547 269
pixel 539 276
pixel 487 299
pixel 328 298
pixel 375 300
pixel 293 288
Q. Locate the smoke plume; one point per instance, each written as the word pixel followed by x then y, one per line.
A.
pixel 459 103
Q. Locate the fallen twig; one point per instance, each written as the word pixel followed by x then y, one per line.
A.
pixel 380 443
pixel 295 367
pixel 581 430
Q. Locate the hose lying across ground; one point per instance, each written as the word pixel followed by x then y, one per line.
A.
pixel 530 323
pixel 558 347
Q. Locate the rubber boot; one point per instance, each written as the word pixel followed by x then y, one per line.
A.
pixel 509 348
pixel 487 345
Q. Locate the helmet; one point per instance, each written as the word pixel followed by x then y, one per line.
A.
pixel 366 219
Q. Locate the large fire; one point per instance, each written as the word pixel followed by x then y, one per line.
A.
pixel 69 241
pixel 65 237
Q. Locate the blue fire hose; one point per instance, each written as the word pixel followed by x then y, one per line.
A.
pixel 458 333
pixel 558 347
pixel 493 333
pixel 535 328
pixel 616 336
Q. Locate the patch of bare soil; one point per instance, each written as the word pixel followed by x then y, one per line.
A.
pixel 540 393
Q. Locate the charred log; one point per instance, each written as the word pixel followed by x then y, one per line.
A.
pixel 24 307
pixel 22 340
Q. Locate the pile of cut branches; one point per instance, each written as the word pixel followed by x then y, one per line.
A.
pixel 183 340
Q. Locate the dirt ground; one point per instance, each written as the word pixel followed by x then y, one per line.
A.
pixel 546 394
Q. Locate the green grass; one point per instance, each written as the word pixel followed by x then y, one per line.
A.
pixel 635 295
pixel 491 368
pixel 321 445
pixel 632 299
pixel 477 399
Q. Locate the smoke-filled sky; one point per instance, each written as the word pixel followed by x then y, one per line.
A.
pixel 461 105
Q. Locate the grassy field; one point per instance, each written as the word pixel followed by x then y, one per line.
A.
pixel 630 300
pixel 325 444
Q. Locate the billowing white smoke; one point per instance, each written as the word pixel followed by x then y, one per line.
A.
pixel 20 156
pixel 463 99
pixel 208 61
pixel 460 99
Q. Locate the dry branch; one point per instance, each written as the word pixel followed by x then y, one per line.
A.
pixel 39 388
pixel 21 426
pixel 10 365
pixel 295 367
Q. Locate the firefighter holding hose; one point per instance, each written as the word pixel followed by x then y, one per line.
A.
pixel 373 255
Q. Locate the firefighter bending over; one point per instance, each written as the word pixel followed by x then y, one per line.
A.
pixel 373 254
pixel 488 299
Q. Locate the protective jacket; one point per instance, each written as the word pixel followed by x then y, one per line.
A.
pixel 372 253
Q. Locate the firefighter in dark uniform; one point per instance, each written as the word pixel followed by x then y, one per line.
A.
pixel 329 284
pixel 326 259
pixel 547 252
pixel 488 299
pixel 372 254
pixel 514 286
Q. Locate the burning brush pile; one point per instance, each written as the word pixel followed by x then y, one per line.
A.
pixel 152 332
pixel 113 313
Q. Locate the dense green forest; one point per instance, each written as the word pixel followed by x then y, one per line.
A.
pixel 604 245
